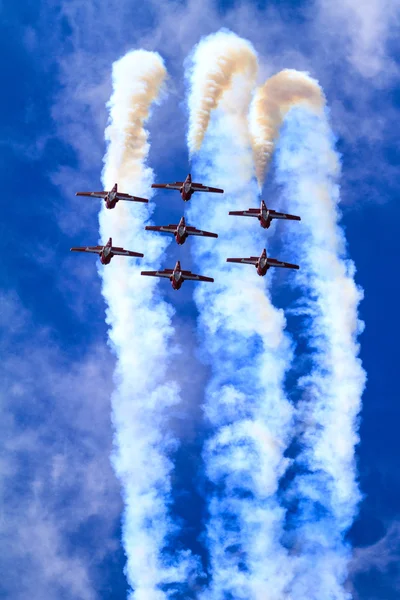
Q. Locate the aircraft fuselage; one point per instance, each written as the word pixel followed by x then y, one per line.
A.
pixel 264 217
pixel 181 235
pixel 106 255
pixel 186 189
pixel 111 198
pixel 176 280
pixel 262 265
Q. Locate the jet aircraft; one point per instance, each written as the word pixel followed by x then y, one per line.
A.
pixel 263 263
pixel 181 231
pixel 264 215
pixel 107 252
pixel 111 198
pixel 177 276
pixel 187 187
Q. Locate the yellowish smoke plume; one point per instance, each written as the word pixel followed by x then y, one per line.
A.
pixel 270 104
pixel 138 79
pixel 216 62
pixel 141 333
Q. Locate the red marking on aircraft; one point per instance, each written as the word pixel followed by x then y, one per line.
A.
pixel 107 252
pixel 262 263
pixel 264 215
pixel 187 188
pixel 177 276
pixel 180 231
pixel 111 198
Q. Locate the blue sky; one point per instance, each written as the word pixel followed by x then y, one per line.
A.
pixel 61 505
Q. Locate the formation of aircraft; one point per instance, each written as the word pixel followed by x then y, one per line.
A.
pixel 262 263
pixel 177 276
pixel 264 215
pixel 107 252
pixel 182 231
pixel 112 197
pixel 187 188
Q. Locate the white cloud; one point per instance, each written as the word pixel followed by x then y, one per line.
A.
pixel 383 557
pixel 56 477
pixel 345 45
pixel 365 29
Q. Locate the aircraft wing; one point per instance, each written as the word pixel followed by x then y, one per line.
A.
pixel 95 249
pixel 192 276
pixel 278 215
pixel 165 228
pixel 199 187
pixel 272 262
pixel 121 252
pixel 195 231
pixel 130 198
pixel 251 212
pixel 252 260
pixel 169 186
pixel 166 273
pixel 92 194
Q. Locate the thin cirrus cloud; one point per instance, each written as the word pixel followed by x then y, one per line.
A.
pixel 56 476
pixel 380 557
pixel 366 32
pixel 86 85
pixel 364 35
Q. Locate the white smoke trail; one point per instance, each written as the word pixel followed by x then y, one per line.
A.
pixel 270 104
pixel 326 488
pixel 140 332
pixel 243 340
pixel 218 59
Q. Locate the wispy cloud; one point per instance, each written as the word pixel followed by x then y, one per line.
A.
pixel 56 476
pixel 86 53
pixel 381 555
pixel 84 63
pixel 365 31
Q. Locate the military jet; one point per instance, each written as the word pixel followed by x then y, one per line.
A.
pixel 187 188
pixel 111 198
pixel 177 276
pixel 107 252
pixel 264 215
pixel 262 263
pixel 180 231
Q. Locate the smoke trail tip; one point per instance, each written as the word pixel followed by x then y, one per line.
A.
pixel 215 64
